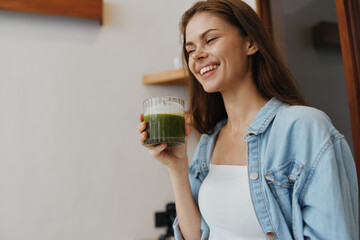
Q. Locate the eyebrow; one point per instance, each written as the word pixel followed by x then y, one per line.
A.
pixel 201 36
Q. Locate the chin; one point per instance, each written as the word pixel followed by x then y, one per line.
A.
pixel 211 85
pixel 210 89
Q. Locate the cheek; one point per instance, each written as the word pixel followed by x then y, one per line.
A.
pixel 238 59
pixel 191 66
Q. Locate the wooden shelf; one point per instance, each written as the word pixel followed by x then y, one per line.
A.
pixel 75 8
pixel 170 78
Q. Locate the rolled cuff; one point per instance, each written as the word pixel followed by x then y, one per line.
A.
pixel 204 228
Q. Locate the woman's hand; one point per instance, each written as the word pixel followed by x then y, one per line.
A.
pixel 175 158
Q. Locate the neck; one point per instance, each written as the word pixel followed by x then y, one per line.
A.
pixel 242 104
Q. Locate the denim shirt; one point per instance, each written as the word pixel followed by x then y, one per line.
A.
pixel 302 175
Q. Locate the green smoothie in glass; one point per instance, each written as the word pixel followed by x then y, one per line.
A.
pixel 165 121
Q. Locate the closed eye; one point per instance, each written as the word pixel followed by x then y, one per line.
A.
pixel 190 51
pixel 211 40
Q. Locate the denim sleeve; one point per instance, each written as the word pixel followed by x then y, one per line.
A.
pixel 330 203
pixel 204 230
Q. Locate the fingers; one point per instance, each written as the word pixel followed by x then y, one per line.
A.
pixel 142 138
pixel 142 127
pixel 156 151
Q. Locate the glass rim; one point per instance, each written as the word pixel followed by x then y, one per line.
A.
pixel 182 101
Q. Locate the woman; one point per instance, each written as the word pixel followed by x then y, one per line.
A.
pixel 266 166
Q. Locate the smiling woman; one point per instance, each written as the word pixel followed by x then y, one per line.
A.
pixel 267 165
pixel 265 69
pixel 214 52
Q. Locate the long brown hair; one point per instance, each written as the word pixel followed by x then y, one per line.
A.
pixel 270 74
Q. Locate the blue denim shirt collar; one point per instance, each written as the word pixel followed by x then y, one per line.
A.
pixel 264 117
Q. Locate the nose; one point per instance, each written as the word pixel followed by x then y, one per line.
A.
pixel 200 54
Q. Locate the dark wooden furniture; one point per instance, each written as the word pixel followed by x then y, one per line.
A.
pixel 348 14
pixel 264 12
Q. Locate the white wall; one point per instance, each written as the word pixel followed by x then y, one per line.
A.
pixel 70 94
pixel 251 3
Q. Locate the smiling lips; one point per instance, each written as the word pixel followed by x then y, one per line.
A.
pixel 207 69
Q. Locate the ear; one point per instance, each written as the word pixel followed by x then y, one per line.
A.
pixel 251 47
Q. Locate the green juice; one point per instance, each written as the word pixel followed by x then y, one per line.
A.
pixel 165 128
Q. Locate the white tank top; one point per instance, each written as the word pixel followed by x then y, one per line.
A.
pixel 226 206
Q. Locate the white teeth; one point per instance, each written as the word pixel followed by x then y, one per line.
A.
pixel 208 68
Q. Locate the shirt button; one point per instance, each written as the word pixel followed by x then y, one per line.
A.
pixel 203 164
pixel 254 175
pixel 270 235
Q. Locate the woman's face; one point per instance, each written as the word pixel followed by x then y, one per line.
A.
pixel 218 54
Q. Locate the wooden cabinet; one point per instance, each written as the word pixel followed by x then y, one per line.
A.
pixel 75 8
